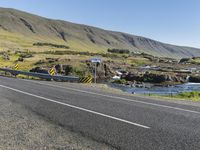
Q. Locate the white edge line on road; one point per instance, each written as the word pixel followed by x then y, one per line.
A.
pixel 76 107
pixel 121 98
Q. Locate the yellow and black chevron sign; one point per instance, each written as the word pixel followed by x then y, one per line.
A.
pixel 16 67
pixel 87 79
pixel 52 71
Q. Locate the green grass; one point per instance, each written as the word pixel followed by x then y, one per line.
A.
pixel 193 96
pixel 196 60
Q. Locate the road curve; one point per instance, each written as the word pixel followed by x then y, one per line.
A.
pixel 122 121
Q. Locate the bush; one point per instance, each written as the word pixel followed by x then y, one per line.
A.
pixel 119 51
pixel 70 70
pixel 68 52
pixel 120 81
pixel 184 60
pixel 25 55
pixel 50 44
pixel 192 94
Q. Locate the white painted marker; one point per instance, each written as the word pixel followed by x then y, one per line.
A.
pixel 121 98
pixel 75 107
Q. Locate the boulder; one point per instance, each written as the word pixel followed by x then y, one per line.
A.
pixel 132 77
pixel 195 79
pixel 20 59
pixel 59 68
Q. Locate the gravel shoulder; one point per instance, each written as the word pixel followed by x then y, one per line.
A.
pixel 21 129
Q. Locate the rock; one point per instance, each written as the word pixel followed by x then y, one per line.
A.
pixel 52 60
pixel 108 71
pixel 132 77
pixel 59 68
pixel 40 62
pixel 195 79
pixel 6 56
pixel 155 78
pixel 104 70
pixel 20 59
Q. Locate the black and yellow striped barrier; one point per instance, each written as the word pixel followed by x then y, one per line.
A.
pixel 16 67
pixel 52 71
pixel 87 79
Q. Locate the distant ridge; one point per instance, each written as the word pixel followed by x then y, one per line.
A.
pixel 83 37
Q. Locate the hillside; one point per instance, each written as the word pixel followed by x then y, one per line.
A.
pixel 20 30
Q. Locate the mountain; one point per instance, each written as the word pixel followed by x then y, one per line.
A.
pixel 20 30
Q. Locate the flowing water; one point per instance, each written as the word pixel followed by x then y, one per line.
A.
pixel 161 90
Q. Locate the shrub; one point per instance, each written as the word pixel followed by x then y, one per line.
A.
pixel 192 94
pixel 50 44
pixel 25 55
pixel 120 81
pixel 119 51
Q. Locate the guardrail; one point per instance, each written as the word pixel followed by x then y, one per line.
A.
pixel 41 75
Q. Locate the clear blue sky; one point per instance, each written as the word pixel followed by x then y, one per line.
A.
pixel 171 21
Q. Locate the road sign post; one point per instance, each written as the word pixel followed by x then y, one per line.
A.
pixel 95 61
pixel 95 73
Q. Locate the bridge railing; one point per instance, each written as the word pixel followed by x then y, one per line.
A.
pixel 41 75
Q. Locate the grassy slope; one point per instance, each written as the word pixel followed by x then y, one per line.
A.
pixel 25 28
pixel 9 41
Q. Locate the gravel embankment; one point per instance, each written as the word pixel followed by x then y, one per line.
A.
pixel 21 129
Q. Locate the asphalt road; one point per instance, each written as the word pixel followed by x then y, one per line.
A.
pixel 122 121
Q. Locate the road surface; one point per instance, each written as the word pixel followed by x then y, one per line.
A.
pixel 122 121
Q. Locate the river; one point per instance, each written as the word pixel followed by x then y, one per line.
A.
pixel 161 90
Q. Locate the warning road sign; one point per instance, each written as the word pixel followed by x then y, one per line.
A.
pixel 87 79
pixel 16 67
pixel 52 71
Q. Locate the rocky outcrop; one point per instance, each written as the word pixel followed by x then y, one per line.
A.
pixel 104 70
pixel 155 78
pixel 195 79
pixel 64 69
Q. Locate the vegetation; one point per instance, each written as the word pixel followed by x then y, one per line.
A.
pixel 184 60
pixel 194 95
pixel 119 51
pixel 50 44
pixel 57 52
pixel 81 72
pixel 196 60
pixel 120 81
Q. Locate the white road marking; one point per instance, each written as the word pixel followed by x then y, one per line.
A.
pixel 121 98
pixel 75 107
